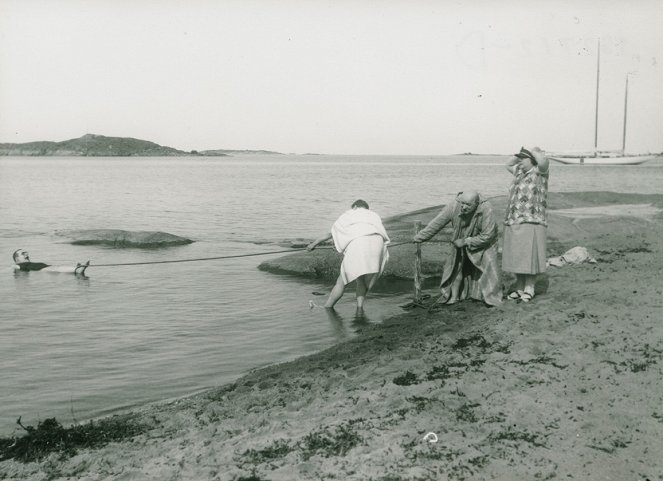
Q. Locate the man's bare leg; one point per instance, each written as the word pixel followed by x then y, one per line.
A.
pixel 336 293
pixel 80 268
pixel 455 288
pixel 362 290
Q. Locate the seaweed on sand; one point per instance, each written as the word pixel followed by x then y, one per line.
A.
pixel 542 359
pixel 50 436
pixel 406 379
pixel 511 434
pixel 330 441
pixel 421 403
pixel 477 340
pixel 252 477
pixel 278 449
pixel 466 413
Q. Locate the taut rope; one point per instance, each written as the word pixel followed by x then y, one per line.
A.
pixel 221 257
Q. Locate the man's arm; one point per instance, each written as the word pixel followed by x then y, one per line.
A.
pixel 436 224
pixel 487 232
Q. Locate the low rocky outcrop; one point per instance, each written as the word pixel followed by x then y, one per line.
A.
pixel 123 238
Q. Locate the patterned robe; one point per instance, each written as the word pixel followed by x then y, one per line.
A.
pixel 477 261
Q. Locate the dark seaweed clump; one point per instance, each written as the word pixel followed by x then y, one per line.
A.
pixel 50 436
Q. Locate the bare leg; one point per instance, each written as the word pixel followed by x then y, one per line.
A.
pixel 455 288
pixel 336 293
pixel 520 282
pixel 456 277
pixel 80 268
pixel 362 290
pixel 370 280
pixel 518 287
pixel 529 280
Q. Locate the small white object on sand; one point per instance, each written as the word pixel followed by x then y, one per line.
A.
pixel 576 255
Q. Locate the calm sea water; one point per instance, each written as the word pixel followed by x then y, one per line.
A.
pixel 77 348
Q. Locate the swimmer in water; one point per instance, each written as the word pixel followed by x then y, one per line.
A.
pixel 22 263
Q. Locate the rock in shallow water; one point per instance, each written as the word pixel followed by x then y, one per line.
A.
pixel 123 238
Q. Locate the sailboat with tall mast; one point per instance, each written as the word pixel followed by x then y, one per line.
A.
pixel 603 157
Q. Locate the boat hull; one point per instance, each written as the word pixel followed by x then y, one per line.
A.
pixel 626 160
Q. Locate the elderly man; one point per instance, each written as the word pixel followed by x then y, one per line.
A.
pixel 22 263
pixel 473 271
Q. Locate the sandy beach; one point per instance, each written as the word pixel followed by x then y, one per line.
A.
pixel 568 386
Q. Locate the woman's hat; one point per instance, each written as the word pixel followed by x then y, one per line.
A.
pixel 526 154
pixel 538 155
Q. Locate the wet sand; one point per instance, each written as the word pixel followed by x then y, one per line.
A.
pixel 568 386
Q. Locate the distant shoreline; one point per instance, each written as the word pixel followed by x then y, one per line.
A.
pixel 92 145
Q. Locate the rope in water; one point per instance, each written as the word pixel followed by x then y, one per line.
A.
pixel 221 257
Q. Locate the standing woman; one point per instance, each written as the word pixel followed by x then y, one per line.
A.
pixel 362 239
pixel 524 250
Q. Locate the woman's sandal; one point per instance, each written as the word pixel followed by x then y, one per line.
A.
pixel 526 297
pixel 513 296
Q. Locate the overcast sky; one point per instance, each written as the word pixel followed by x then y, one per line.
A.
pixel 342 77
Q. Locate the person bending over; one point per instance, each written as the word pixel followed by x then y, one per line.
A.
pixel 362 239
pixel 473 271
pixel 22 263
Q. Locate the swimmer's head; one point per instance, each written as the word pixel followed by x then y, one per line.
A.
pixel 20 256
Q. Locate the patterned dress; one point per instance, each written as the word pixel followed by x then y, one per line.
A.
pixel 528 197
pixel 524 250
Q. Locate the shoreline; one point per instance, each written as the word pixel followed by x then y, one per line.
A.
pixel 567 386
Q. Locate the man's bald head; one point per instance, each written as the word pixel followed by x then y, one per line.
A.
pixel 469 197
pixel 469 200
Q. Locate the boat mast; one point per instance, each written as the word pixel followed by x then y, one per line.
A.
pixel 625 110
pixel 596 117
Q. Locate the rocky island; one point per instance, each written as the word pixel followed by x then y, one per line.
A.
pixel 91 145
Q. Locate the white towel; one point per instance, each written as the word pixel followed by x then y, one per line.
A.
pixel 356 223
pixel 361 237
